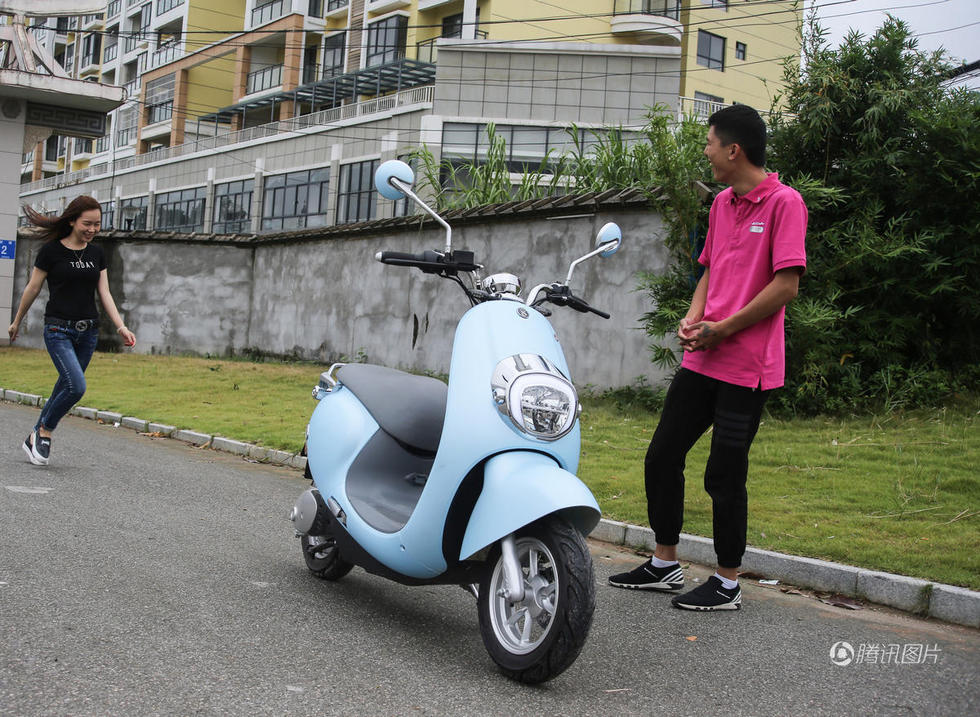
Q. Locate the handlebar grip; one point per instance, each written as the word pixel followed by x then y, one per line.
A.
pixel 597 312
pixel 386 257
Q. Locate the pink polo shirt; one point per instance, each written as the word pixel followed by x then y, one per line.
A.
pixel 749 239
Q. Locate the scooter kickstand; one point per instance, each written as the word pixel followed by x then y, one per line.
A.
pixel 513 576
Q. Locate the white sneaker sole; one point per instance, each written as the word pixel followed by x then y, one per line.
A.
pixel 659 587
pixel 702 608
pixel 36 460
pixel 30 455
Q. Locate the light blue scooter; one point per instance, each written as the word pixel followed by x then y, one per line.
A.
pixel 473 484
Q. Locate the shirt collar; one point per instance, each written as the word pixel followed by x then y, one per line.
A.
pixel 762 190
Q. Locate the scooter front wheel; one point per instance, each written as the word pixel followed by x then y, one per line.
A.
pixel 322 557
pixel 539 637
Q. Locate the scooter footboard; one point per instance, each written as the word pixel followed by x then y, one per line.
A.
pixel 520 487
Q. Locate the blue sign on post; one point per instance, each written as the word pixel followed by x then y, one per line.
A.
pixel 7 248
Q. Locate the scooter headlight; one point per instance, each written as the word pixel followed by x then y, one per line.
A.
pixel 534 395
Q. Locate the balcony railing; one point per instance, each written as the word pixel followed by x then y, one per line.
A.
pixel 160 112
pixel 125 137
pixel 312 122
pixel 665 8
pixel 113 8
pixel 165 54
pixel 268 12
pixel 699 108
pixel 110 53
pixel 426 51
pixel 134 41
pixel 263 79
pixel 132 89
pixel 164 6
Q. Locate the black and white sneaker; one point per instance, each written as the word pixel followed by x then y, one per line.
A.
pixel 647 577
pixel 37 448
pixel 713 595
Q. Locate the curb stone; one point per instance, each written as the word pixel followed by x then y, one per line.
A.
pixel 921 597
pixel 936 600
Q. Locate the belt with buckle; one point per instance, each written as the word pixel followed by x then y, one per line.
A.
pixel 78 325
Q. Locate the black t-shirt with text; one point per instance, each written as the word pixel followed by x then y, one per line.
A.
pixel 73 277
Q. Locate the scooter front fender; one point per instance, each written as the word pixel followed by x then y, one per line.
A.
pixel 518 488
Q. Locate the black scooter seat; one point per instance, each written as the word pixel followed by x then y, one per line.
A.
pixel 409 408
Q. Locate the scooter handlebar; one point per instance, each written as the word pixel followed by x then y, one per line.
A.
pixel 431 262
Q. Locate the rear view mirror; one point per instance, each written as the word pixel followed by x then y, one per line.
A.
pixel 393 169
pixel 610 238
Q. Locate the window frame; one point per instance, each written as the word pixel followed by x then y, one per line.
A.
pixel 709 60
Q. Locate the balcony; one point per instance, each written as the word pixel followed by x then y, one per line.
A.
pixel 337 8
pixel 430 4
pixel 264 79
pixel 113 8
pixel 653 21
pixel 165 6
pixel 268 12
pixel 102 144
pixel 160 112
pixel 110 53
pixel 165 54
pixel 379 6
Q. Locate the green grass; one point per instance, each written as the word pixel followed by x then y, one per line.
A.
pixel 897 492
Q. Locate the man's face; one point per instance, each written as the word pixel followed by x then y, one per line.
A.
pixel 719 156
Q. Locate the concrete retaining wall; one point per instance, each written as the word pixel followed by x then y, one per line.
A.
pixel 326 298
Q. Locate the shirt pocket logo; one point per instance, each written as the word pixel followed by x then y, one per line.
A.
pixel 757 227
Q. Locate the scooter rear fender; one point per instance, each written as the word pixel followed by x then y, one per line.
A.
pixel 519 487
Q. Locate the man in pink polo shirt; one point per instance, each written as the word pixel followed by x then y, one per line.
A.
pixel 734 355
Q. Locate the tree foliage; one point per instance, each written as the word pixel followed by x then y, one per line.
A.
pixel 888 159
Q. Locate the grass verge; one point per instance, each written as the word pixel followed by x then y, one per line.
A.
pixel 896 492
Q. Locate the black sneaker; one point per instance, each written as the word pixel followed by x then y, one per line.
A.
pixel 713 595
pixel 647 577
pixel 37 448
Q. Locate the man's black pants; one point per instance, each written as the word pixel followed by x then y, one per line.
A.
pixel 694 403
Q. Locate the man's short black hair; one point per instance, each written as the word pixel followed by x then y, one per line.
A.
pixel 742 125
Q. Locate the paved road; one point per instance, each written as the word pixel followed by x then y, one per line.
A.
pixel 140 576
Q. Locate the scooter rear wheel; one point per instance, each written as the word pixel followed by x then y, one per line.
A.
pixel 539 637
pixel 322 557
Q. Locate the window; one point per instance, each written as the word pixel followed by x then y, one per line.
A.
pixel 711 50
pixel 108 215
pixel 160 99
pixel 91 50
pixel 167 5
pixel 333 55
pixel 739 50
pixel 233 207
pixel 181 211
pixel 356 198
pixel 132 213
pixel 386 40
pixel 452 25
pixel 526 146
pixel 296 200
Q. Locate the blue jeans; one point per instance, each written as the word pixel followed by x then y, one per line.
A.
pixel 70 350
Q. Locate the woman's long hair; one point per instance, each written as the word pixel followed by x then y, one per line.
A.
pixel 56 228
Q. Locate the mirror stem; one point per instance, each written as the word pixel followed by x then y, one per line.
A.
pixel 598 250
pixel 407 190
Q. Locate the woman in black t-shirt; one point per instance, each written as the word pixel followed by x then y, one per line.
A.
pixel 75 270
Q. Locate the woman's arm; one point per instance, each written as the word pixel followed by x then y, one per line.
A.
pixel 31 291
pixel 110 308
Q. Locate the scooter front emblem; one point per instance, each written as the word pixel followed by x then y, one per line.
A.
pixel 522 312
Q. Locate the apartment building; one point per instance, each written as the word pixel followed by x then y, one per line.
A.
pixel 271 115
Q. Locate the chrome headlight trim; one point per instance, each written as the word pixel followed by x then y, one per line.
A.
pixel 534 396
